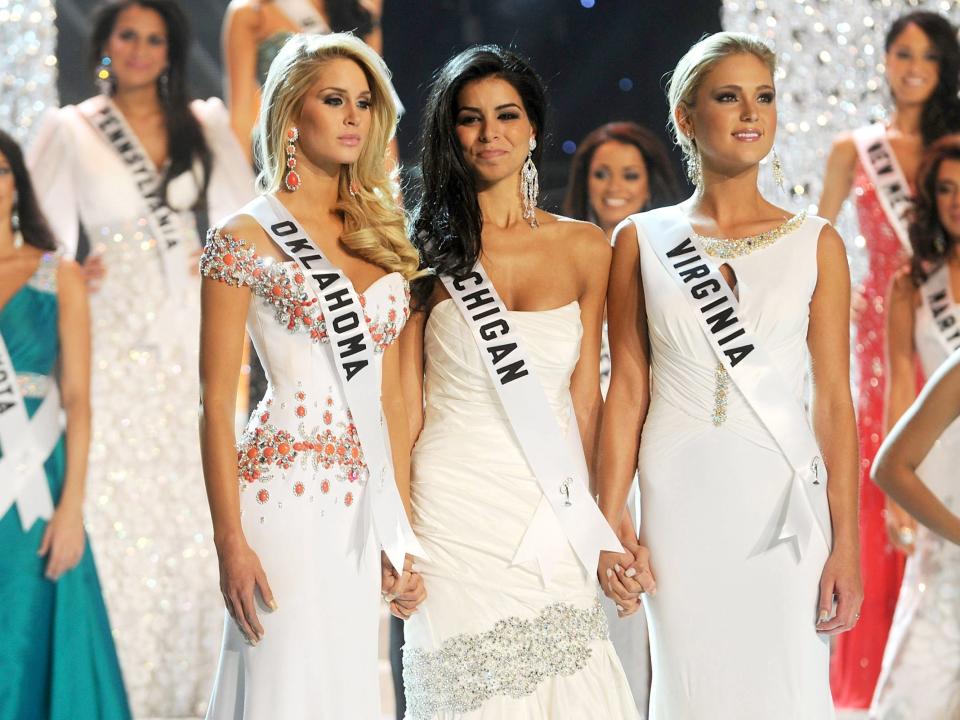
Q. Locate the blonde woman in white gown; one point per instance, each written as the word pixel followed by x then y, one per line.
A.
pixel 750 549
pixel 512 627
pixel 132 166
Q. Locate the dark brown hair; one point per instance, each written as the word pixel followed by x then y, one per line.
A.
pixel 926 230
pixel 33 225
pixel 661 180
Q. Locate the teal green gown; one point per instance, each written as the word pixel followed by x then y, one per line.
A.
pixel 57 658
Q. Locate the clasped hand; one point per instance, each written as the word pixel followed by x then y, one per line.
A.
pixel 402 591
pixel 625 576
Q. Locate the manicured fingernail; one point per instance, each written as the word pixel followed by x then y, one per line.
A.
pixel 619 609
pixel 619 569
pixel 823 616
pixel 609 573
pixel 273 604
pixel 631 572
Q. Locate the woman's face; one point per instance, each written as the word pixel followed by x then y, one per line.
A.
pixel 493 130
pixel 8 189
pixel 137 47
pixel 913 66
pixel 617 184
pixel 335 118
pixel 948 197
pixel 734 115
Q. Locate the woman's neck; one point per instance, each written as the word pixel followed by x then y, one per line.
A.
pixel 319 191
pixel 500 203
pixel 7 247
pixel 138 102
pixel 906 119
pixel 729 199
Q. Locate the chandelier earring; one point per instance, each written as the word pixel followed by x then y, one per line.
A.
pixel 530 187
pixel 939 240
pixel 352 185
pixel 292 179
pixel 778 177
pixel 163 85
pixel 106 82
pixel 15 225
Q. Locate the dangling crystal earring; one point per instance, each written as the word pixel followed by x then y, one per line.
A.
pixel 530 187
pixel 694 171
pixel 105 80
pixel 940 241
pixel 292 179
pixel 15 225
pixel 778 170
pixel 163 85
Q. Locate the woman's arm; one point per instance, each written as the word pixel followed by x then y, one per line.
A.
pixel 828 338
pixel 411 373
pixel 895 469
pixel 240 29
pixel 623 415
pixel 223 311
pixel 901 384
pixel 838 177
pixel 592 261
pixel 63 540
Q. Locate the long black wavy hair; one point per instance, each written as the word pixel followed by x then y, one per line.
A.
pixel 446 222
pixel 941 112
pixel 185 141
pixel 931 243
pixel 33 225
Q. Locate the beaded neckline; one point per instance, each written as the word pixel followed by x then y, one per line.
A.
pixel 726 248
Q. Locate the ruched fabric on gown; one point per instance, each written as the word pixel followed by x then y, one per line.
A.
pixel 920 675
pixel 474 497
pixel 732 625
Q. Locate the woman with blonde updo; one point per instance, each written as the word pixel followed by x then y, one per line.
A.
pixel 717 308
pixel 299 540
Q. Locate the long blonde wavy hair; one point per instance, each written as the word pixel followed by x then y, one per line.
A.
pixel 374 224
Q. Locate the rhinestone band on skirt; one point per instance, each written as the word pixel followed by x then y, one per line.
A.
pixel 511 659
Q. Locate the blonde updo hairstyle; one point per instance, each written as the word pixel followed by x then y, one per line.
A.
pixel 375 226
pixel 694 66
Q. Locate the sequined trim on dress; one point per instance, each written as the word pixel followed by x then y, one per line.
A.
pixel 235 263
pixel 33 385
pixel 45 277
pixel 511 659
pixel 728 248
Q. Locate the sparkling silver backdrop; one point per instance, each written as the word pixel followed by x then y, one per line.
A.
pixel 28 64
pixel 830 79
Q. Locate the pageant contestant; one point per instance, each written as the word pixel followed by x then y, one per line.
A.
pixel 620 169
pixel 57 652
pixel 300 523
pixel 921 665
pixel 722 299
pixel 255 30
pixel 133 165
pixel 505 345
pixel 880 162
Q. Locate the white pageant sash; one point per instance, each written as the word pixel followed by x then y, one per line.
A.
pixel 26 443
pixel 567 508
pixel 717 311
pixel 165 223
pixel 884 171
pixel 353 356
pixel 938 300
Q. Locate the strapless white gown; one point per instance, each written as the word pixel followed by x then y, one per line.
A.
pixel 491 642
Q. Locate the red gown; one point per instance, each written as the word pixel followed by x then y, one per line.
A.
pixel 855 664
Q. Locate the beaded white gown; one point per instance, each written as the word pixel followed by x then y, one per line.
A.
pixel 732 625
pixel 146 510
pixel 920 675
pixel 303 506
pixel 491 642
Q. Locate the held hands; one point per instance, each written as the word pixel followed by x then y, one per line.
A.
pixel 841 581
pixel 625 576
pixel 403 591
pixel 901 527
pixel 94 271
pixel 63 542
pixel 241 575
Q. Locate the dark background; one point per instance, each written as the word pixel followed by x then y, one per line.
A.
pixel 602 63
